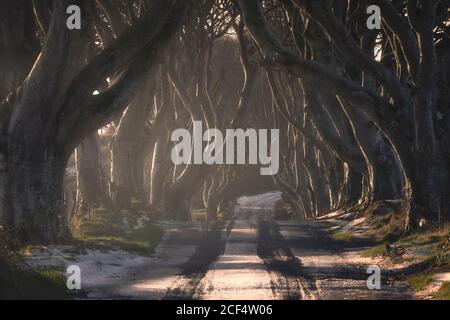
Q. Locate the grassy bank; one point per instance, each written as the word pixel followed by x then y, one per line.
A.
pixel 129 230
pixel 17 283
pixel 426 249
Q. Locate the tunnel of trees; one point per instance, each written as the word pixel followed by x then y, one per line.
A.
pixel 363 114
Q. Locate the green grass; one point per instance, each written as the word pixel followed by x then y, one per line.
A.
pixel 108 229
pixel 52 274
pixel 198 215
pixel 223 215
pixel 145 239
pixel 426 247
pixel 430 236
pixel 443 292
pixel 374 251
pixel 386 221
pixel 36 285
pixel 342 236
pixel 142 241
pixel 419 281
pixel 100 223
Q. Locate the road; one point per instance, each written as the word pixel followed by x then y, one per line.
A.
pixel 263 259
pixel 252 256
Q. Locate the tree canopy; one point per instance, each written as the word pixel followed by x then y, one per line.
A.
pixel 363 113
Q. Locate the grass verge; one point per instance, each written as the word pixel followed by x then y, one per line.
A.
pixel 419 281
pixel 443 292
pixel 142 241
pixel 374 251
pixel 121 231
pixel 40 284
pixel 342 236
pixel 198 215
pixel 426 248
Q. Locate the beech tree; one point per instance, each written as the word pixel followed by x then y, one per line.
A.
pixel 54 108
pixel 363 112
pixel 92 187
pixel 397 90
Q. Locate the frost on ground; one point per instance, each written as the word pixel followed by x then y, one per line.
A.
pixel 421 259
pixel 114 273
pixel 253 257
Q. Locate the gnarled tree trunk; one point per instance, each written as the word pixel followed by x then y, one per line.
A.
pixel 54 108
pixel 129 150
pixel 92 191
pixel 35 190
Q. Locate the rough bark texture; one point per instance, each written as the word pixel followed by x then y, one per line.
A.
pixel 92 188
pixel 35 191
pixel 129 152
pixel 54 109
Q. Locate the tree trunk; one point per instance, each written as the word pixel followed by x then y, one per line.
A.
pixel 3 191
pixel 160 167
pixel 353 186
pixel 177 195
pixel 18 44
pixel 35 191
pixel 211 200
pixel 48 120
pixel 128 152
pixel 91 183
pixel 212 208
pixel 427 190
pixel 177 206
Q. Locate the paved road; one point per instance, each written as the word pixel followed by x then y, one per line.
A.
pixel 260 258
pixel 251 257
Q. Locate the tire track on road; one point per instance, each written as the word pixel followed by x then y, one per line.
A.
pixel 210 247
pixel 289 282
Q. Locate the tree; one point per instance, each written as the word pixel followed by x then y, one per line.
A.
pixel 92 188
pixel 400 95
pixel 54 109
pixel 364 113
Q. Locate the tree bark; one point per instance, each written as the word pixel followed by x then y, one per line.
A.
pixel 92 191
pixel 35 191
pixel 54 109
pixel 160 168
pixel 210 199
pixel 130 148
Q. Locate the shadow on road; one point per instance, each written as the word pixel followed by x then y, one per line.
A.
pixel 290 283
pixel 211 246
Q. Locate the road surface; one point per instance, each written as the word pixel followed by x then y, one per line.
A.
pixel 253 256
pixel 262 259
